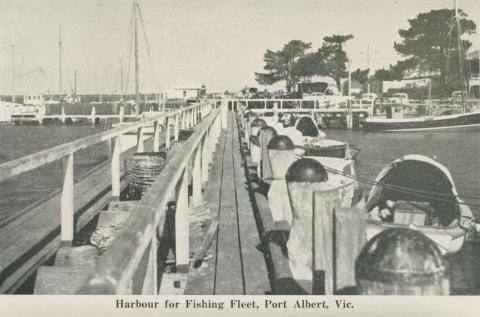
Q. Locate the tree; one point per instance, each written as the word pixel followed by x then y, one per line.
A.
pixel 360 75
pixel 429 45
pixel 332 58
pixel 281 65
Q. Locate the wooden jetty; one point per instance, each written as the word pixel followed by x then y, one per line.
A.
pixel 348 112
pixel 37 233
pixel 204 227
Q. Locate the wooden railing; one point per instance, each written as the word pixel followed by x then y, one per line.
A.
pixel 129 266
pixel 181 118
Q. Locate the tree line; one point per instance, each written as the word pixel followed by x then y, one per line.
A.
pixel 428 48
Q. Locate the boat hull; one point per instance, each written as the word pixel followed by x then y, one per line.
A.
pixel 448 240
pixel 468 121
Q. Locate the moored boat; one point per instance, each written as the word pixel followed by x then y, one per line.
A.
pixel 418 192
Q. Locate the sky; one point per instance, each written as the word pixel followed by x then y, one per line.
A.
pixel 219 43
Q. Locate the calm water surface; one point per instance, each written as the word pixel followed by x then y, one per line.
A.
pixel 458 151
pixel 18 141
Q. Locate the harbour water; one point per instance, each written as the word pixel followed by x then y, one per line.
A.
pixel 458 151
pixel 17 141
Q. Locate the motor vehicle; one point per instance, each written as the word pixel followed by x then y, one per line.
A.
pixel 399 98
pixel 369 96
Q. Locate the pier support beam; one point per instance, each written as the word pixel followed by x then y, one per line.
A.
pixel 63 117
pixel 205 162
pixel 92 115
pixel 167 133
pixel 115 167
pixel 156 136
pixel 121 114
pixel 140 139
pixel 197 178
pixel 176 128
pixel 67 208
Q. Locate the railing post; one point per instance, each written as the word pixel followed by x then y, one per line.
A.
pixel 224 115
pixel 63 117
pixel 115 167
pixel 67 208
pixel 156 136
pixel 176 128
pixel 197 178
pixel 181 224
pixel 121 114
pixel 167 133
pixel 205 150
pixel 150 281
pixel 92 115
pixel 140 139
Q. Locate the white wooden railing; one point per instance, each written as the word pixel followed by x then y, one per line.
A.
pixel 180 119
pixel 129 266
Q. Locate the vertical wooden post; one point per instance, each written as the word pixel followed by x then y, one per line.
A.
pixel 197 178
pixel 265 103
pixel 115 167
pixel 205 159
pixel 176 127
pixel 140 139
pixel 67 208
pixel 63 116
pixel 224 116
pixel 281 103
pixel 181 224
pixel 92 115
pixel 151 280
pixel 167 133
pixel 121 114
pixel 350 237
pixel 156 136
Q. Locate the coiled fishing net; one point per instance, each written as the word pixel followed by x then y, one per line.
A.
pixel 142 169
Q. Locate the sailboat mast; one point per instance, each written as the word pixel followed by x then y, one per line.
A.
pixel 13 70
pixel 137 91
pixel 460 52
pixel 60 62
pixel 75 86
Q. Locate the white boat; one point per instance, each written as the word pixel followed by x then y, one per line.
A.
pixel 417 192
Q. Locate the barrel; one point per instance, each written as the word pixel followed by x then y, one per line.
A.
pixel 401 261
pixel 142 170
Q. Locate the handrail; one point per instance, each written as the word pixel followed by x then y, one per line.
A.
pixel 182 118
pixel 117 269
pixel 32 161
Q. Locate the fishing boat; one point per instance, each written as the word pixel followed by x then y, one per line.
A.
pixel 417 192
pixel 467 119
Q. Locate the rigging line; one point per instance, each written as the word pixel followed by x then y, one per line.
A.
pixel 419 193
pixel 152 66
pixel 129 49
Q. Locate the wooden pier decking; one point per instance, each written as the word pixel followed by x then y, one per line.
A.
pixel 236 262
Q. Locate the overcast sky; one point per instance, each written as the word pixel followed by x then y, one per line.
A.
pixel 219 43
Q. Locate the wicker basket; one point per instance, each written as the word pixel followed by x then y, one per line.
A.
pixel 141 170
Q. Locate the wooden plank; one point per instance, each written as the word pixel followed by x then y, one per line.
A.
pixel 66 205
pixel 71 256
pixel 60 280
pixel 201 280
pixel 229 278
pixel 207 241
pixel 274 237
pixel 254 265
pixel 33 237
